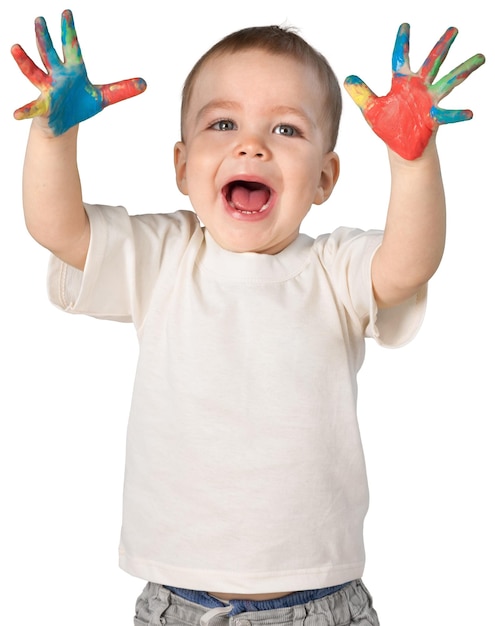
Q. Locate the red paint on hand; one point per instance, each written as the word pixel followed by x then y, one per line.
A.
pixel 402 117
pixel 408 115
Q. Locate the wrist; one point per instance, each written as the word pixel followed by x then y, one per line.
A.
pixel 41 127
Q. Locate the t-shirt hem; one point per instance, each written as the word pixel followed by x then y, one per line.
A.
pixel 242 582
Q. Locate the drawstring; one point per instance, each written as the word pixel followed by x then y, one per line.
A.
pixel 212 613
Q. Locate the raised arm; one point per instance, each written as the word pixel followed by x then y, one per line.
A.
pixel 407 119
pixel 52 196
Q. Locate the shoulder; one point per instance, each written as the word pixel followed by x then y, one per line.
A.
pixel 115 216
pixel 345 246
pixel 346 236
pixel 113 227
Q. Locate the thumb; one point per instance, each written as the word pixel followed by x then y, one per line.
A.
pixel 359 92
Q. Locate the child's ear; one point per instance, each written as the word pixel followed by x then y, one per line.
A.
pixel 329 176
pixel 180 166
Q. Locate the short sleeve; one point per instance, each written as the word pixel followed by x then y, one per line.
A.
pixel 125 257
pixel 396 326
pixel 348 254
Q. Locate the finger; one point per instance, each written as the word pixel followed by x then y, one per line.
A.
pixel 446 116
pixel 33 109
pixel 434 60
pixel 400 56
pixel 28 68
pixel 359 92
pixel 122 90
pixel 458 75
pixel 70 43
pixel 45 46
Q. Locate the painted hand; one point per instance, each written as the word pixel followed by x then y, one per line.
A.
pixel 67 97
pixel 409 114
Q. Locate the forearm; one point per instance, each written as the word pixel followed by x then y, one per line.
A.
pixel 52 197
pixel 414 236
pixel 407 119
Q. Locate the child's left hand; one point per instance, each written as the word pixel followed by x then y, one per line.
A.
pixel 408 115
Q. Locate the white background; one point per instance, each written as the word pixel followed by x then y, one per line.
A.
pixel 425 410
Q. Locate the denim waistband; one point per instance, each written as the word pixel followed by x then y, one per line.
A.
pixel 243 606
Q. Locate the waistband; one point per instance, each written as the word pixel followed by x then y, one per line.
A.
pixel 243 606
pixel 352 604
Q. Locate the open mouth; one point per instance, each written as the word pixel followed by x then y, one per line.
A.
pixel 247 197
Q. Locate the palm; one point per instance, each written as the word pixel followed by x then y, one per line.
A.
pixel 67 97
pixel 408 115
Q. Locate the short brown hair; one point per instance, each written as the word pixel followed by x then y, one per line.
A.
pixel 282 41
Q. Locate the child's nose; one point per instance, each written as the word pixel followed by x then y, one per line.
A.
pixel 252 145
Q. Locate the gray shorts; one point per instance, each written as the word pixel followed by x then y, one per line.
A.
pixel 350 605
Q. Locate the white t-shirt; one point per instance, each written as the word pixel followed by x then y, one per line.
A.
pixel 244 468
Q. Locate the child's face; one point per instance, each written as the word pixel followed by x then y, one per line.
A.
pixel 254 157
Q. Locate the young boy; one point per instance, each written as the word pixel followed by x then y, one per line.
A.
pixel 245 488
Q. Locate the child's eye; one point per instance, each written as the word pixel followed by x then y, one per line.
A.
pixel 286 130
pixel 223 125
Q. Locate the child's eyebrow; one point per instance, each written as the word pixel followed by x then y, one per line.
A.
pixel 217 104
pixel 300 113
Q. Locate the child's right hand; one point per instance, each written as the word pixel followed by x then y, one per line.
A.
pixel 67 96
